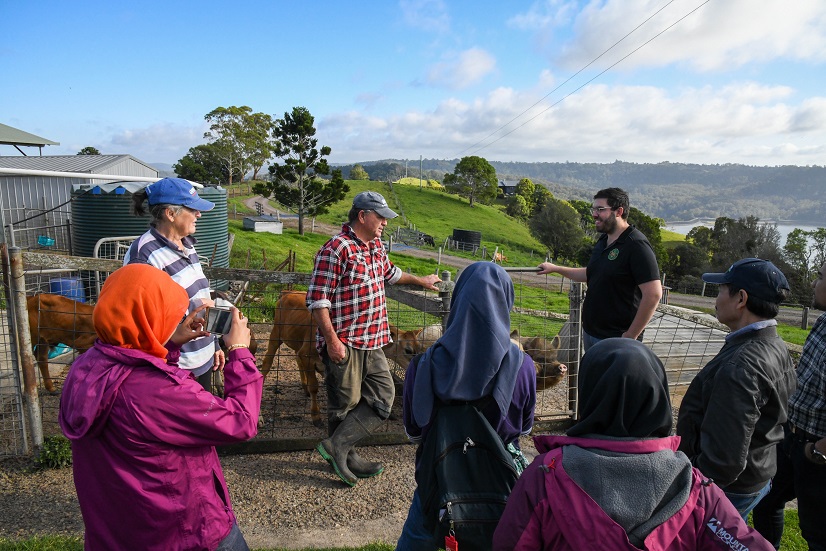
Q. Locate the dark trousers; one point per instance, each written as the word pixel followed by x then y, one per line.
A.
pixel 796 477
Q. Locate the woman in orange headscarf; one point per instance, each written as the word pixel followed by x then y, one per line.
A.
pixel 143 430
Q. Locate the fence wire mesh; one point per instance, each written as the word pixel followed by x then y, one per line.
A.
pixel 12 418
pixel 545 317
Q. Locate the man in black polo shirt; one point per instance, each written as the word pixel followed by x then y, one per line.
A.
pixel 622 275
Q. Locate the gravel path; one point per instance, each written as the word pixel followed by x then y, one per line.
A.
pixel 288 500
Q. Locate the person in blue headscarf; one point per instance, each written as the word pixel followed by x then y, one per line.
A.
pixel 473 359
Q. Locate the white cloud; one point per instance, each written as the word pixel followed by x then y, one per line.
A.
pixel 741 122
pixel 155 143
pixel 463 70
pixel 717 36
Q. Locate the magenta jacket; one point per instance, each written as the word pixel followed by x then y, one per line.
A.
pixel 547 510
pixel 143 434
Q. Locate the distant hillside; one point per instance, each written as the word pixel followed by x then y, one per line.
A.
pixel 671 191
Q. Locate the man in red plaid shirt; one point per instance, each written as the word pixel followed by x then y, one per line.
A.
pixel 346 298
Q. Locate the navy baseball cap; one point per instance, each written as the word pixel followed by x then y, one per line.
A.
pixel 176 191
pixel 759 278
pixel 370 200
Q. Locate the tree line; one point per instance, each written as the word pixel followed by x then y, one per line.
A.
pixel 566 228
pixel 240 141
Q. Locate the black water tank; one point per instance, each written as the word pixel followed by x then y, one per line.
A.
pixel 467 240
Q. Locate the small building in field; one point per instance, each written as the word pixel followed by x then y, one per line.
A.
pixel 264 223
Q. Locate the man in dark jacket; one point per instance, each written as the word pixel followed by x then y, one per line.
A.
pixel 731 417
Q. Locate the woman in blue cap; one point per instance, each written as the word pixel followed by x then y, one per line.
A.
pixel 174 208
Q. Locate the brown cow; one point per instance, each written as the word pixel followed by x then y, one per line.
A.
pixel 294 326
pixel 56 319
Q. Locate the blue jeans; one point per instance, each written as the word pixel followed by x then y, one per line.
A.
pixel 744 503
pixel 588 341
pixel 234 541
pixel 414 536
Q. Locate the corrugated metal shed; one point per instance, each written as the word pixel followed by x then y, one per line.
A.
pixel 92 164
pixel 22 197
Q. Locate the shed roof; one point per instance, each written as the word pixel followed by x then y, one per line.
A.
pixel 93 164
pixel 14 136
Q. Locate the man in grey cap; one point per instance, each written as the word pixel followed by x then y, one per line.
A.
pixel 346 298
pixel 731 417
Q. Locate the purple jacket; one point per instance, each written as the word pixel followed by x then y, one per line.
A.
pixel 548 510
pixel 143 434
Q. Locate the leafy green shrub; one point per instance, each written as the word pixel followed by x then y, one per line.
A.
pixel 56 453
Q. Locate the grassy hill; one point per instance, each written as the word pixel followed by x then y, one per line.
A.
pixel 430 210
pixel 438 213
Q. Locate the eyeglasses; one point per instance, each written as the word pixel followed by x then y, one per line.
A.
pixel 598 210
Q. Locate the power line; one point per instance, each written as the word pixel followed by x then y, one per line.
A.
pixel 585 83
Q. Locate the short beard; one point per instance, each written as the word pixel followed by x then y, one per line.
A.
pixel 609 224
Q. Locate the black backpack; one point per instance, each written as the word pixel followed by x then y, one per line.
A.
pixel 465 475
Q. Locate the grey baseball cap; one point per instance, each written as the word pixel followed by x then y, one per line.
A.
pixel 370 200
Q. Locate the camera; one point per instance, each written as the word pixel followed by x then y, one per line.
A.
pixel 218 320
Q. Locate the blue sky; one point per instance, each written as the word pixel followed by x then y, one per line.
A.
pixel 702 81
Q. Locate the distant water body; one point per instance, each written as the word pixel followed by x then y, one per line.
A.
pixel 784 228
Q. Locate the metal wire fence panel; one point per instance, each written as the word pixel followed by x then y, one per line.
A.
pixel 38 234
pixel 545 320
pixel 61 323
pixel 12 419
pixel 685 341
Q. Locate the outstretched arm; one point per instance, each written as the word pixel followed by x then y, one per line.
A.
pixel 575 274
pixel 428 281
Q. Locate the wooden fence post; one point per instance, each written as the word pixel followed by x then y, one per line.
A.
pixel 31 400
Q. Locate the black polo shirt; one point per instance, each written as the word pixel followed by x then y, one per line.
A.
pixel 614 275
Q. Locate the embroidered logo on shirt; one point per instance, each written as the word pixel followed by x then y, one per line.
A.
pixel 613 254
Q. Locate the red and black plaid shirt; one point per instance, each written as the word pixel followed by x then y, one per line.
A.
pixel 349 278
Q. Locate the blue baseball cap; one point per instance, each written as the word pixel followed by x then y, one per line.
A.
pixel 759 278
pixel 176 191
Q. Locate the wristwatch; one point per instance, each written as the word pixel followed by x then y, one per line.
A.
pixel 817 456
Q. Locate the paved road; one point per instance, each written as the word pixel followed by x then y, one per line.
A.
pixel 789 316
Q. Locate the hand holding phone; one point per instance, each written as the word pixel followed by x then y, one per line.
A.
pixel 218 320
